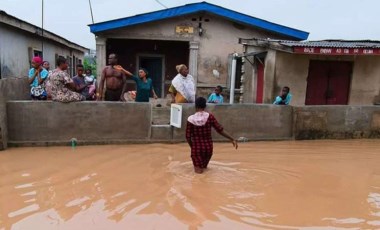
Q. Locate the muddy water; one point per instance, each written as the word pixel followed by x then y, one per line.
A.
pixel 262 185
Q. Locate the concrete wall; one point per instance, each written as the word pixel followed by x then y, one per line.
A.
pixel 16 88
pixel 3 126
pixel 51 123
pixel 365 83
pixel 15 56
pixel 90 122
pixel 291 71
pixel 255 122
pixel 269 76
pixel 336 122
pixel 10 89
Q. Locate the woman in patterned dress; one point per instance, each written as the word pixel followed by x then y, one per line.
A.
pixel 198 135
pixel 61 86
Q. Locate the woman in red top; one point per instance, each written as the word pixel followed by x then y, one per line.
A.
pixel 198 135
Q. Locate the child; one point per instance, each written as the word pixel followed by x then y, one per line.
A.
pixel 198 135
pixel 284 98
pixel 89 79
pixel 216 97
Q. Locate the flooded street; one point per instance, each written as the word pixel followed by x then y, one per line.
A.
pixel 262 185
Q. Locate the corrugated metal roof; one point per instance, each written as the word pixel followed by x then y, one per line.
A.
pixel 195 8
pixel 332 43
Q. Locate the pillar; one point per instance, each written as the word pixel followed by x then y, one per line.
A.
pixel 193 61
pixel 100 55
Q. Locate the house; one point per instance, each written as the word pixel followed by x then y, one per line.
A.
pixel 20 41
pixel 201 35
pixel 327 72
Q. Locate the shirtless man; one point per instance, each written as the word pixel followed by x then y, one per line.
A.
pixel 115 82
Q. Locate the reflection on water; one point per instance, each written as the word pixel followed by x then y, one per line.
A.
pixel 262 185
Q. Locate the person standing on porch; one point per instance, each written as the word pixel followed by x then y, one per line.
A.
pixel 284 98
pixel 182 88
pixel 114 81
pixel 144 85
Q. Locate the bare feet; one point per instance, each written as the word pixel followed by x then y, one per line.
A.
pixel 198 170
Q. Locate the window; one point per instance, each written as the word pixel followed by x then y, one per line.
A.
pixel 37 53
pixel 33 52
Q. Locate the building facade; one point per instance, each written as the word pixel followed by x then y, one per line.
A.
pixel 20 41
pixel 201 35
pixel 328 72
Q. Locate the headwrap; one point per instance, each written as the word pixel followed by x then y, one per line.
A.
pixel 179 67
pixel 37 60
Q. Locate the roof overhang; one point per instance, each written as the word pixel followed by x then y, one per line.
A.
pixel 196 8
pixel 19 24
pixel 323 47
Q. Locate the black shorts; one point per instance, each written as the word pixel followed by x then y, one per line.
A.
pixel 113 95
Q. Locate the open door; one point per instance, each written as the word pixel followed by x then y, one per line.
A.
pixel 154 65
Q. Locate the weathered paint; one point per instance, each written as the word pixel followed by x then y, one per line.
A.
pixel 19 38
pixel 286 69
pixel 220 37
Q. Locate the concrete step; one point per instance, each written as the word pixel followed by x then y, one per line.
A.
pixel 161 132
pixel 160 116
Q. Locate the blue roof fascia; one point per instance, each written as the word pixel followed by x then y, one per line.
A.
pixel 194 8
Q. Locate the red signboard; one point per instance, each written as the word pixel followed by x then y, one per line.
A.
pixel 336 51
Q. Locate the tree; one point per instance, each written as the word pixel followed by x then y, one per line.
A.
pixel 90 63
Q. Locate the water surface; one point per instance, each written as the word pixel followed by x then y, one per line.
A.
pixel 262 185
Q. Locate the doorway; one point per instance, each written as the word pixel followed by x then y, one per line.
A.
pixel 154 65
pixel 328 83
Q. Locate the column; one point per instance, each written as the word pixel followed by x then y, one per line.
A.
pixel 100 55
pixel 193 61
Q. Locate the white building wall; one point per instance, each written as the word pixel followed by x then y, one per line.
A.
pixel 15 53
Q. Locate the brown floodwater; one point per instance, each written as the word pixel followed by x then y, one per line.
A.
pixel 262 185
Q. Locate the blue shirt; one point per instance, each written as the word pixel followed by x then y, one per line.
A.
pixel 215 98
pixel 143 89
pixel 44 74
pixel 279 101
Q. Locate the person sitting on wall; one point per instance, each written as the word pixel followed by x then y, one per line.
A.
pixel 37 76
pixel 82 86
pixel 63 88
pixel 182 88
pixel 115 81
pixel 284 98
pixel 216 96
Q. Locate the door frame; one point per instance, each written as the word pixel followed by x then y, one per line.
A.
pixel 148 55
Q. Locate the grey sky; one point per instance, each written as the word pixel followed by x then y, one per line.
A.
pixel 323 19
